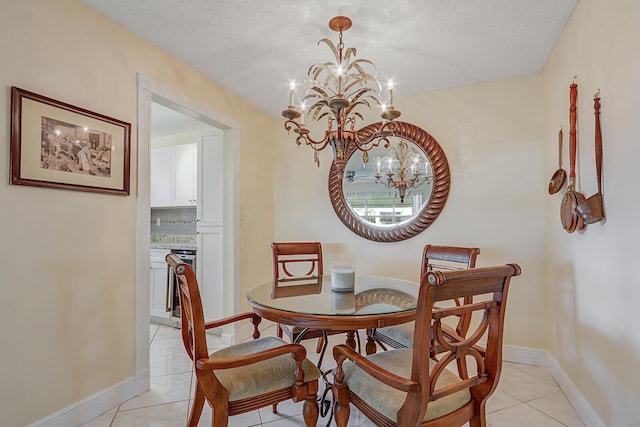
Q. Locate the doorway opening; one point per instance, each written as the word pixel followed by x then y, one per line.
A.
pixel 214 231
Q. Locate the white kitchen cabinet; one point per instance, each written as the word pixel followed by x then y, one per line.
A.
pixel 184 170
pixel 174 175
pixel 210 271
pixel 210 230
pixel 158 284
pixel 161 177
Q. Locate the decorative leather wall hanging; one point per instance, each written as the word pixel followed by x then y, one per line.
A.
pixel 591 210
pixel 571 221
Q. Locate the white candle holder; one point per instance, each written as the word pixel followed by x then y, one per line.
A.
pixel 342 278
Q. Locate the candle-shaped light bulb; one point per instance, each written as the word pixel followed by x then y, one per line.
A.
pixel 378 163
pixel 339 72
pixel 390 86
pixel 292 90
pixel 390 162
pixel 302 107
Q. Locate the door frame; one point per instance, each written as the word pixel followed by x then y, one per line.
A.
pixel 151 91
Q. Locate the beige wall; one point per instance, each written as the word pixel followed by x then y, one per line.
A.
pixel 68 270
pixel 594 286
pixel 492 136
pixel 67 257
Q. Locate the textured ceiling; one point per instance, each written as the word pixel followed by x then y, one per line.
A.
pixel 253 47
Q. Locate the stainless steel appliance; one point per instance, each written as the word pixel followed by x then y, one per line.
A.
pixel 188 256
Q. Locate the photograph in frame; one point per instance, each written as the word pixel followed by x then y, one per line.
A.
pixel 58 145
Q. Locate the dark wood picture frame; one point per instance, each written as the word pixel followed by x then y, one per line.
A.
pixel 58 145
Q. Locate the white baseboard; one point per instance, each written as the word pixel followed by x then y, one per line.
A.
pixel 526 355
pixel 91 407
pixel 226 339
pixel 579 403
pixel 536 357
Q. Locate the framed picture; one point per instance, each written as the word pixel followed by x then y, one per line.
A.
pixel 57 145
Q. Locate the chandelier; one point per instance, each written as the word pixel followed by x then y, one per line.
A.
pixel 405 169
pixel 336 91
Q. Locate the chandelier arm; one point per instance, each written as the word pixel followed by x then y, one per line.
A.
pixel 303 135
pixel 362 139
pixel 317 145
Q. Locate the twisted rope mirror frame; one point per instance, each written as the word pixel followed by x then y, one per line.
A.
pixel 431 210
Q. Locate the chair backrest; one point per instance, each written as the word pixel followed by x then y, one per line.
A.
pixel 297 262
pixel 191 312
pixel 448 258
pixel 491 285
pixel 193 329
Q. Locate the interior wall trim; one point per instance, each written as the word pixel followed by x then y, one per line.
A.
pixel 526 355
pixel 584 410
pixel 538 357
pixel 93 406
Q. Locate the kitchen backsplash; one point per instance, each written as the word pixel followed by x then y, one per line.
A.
pixel 174 225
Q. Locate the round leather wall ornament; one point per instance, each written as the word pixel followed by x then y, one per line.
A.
pixel 571 221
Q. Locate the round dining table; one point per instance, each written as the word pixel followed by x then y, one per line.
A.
pixel 374 302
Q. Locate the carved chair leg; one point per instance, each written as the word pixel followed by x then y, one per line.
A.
pixel 310 410
pixel 220 417
pixel 480 415
pixel 351 339
pixel 341 409
pixel 370 347
pixel 476 422
pixel 196 408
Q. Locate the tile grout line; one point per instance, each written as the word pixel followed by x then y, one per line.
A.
pixel 544 413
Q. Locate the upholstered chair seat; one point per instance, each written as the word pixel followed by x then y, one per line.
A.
pixel 400 335
pixel 261 377
pixel 388 400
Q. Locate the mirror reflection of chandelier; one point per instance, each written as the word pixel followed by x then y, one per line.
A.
pixel 336 90
pixel 405 169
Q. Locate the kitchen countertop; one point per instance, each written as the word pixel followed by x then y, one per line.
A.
pixel 163 245
pixel 173 241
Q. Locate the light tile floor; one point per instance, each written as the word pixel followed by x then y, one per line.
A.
pixel 526 395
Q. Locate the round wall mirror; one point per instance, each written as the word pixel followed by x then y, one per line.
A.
pixel 399 192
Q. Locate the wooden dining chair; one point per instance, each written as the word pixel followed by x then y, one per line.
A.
pixel 434 257
pixel 402 387
pixel 299 264
pixel 246 376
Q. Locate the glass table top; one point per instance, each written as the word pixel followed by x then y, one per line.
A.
pixel 371 295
